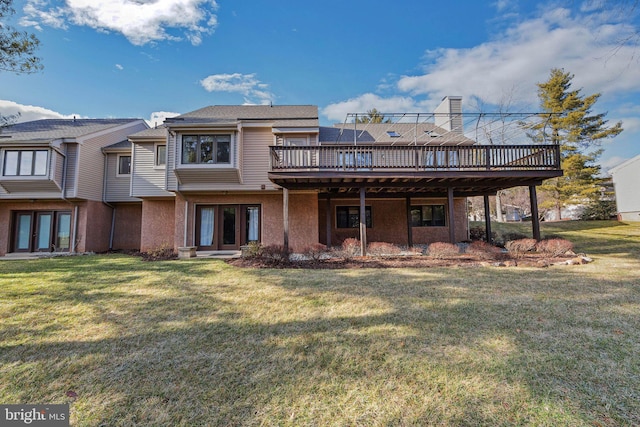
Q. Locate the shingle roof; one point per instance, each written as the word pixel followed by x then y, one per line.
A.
pixel 51 129
pixel 381 133
pixel 281 115
pixel 126 144
pixel 160 133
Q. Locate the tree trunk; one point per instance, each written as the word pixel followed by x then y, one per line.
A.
pixel 499 217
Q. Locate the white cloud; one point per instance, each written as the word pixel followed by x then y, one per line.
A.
pixel 31 112
pixel 338 111
pixel 158 117
pixel 119 67
pixel 585 45
pixel 254 91
pixel 140 21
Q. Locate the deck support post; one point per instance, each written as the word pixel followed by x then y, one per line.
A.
pixel 285 217
pixel 329 218
pixel 363 223
pixel 487 219
pixel 451 215
pixel 409 228
pixel 535 219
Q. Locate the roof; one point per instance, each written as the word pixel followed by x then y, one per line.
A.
pixel 159 132
pixel 118 146
pixel 391 133
pixel 280 115
pixel 624 164
pixel 52 129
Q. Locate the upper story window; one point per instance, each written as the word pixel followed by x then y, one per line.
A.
pixel 25 163
pixel 161 155
pixel 206 149
pixel 124 165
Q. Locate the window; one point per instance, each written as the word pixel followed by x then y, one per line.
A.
pixel 25 163
pixel 161 155
pixel 349 216
pixel 124 165
pixel 428 216
pixel 206 149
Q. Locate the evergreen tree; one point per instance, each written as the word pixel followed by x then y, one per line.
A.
pixel 572 125
pixel 373 116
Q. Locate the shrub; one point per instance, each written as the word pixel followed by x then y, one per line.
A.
pixel 252 250
pixel 599 209
pixel 160 253
pixel 383 248
pixel 443 250
pixel 483 250
pixel 554 247
pixel 315 252
pixel 350 248
pixel 275 254
pixel 480 233
pixel 520 246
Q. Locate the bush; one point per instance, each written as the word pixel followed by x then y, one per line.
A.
pixel 252 250
pixel 520 246
pixel 160 253
pixel 350 248
pixel 480 233
pixel 383 248
pixel 315 252
pixel 554 247
pixel 275 254
pixel 599 209
pixel 483 250
pixel 443 250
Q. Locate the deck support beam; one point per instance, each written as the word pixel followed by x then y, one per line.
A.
pixel 285 217
pixel 409 228
pixel 329 218
pixel 451 215
pixel 363 223
pixel 535 219
pixel 487 218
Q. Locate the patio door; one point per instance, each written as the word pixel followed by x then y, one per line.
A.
pixel 41 231
pixel 226 227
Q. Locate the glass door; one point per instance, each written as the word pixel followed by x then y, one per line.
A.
pixel 22 232
pixel 205 227
pixel 230 228
pixel 44 227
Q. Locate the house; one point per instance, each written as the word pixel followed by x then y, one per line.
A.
pixel 220 177
pixel 626 177
pixel 52 184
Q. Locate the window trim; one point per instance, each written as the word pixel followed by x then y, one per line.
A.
pixel 118 173
pixel 367 209
pixel 432 206
pixel 157 165
pixel 198 164
pixel 32 174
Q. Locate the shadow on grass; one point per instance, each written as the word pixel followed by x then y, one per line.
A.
pixel 202 343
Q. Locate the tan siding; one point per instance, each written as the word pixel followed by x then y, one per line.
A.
pixel 91 161
pixel 72 169
pixel 57 165
pixel 172 150
pixel 255 157
pixel 117 187
pixel 148 181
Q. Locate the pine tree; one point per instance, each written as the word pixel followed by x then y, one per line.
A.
pixel 572 125
pixel 373 116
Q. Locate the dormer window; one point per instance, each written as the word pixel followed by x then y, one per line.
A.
pixel 206 149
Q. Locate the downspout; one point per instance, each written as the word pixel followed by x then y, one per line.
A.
pixel 104 200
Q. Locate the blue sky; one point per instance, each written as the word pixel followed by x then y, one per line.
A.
pixel 156 58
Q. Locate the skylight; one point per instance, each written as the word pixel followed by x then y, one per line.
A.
pixel 393 134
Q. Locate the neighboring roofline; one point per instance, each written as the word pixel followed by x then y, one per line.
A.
pixel 624 164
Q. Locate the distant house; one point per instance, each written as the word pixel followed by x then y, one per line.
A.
pixel 220 177
pixel 626 180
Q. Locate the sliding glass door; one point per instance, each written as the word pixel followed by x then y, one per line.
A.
pixel 226 227
pixel 41 231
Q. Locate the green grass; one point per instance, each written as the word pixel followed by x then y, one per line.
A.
pixel 200 343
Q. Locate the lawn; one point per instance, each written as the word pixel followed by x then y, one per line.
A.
pixel 202 343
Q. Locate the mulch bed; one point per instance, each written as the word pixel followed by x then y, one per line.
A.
pixel 527 260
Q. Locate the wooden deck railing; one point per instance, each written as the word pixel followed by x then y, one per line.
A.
pixel 414 158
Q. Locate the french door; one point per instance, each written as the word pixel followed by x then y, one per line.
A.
pixel 226 227
pixel 41 231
